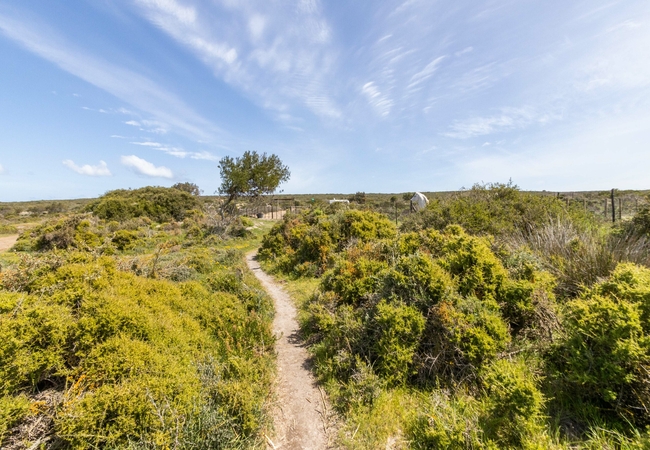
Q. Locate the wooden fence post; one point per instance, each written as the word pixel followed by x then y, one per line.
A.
pixel 620 208
pixel 613 207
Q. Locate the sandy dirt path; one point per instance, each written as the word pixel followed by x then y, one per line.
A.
pixel 302 412
pixel 6 242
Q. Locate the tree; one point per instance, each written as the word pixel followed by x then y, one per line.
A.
pixel 359 197
pixel 251 175
pixel 190 188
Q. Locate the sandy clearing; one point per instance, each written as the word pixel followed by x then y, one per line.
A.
pixel 6 242
pixel 301 415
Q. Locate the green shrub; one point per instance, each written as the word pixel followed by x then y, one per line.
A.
pixel 353 281
pixel 397 329
pixel 462 335
pixel 313 238
pixel 604 358
pixel 71 232
pixel 8 229
pixel 365 225
pixel 129 353
pixel 246 222
pixel 34 343
pixel 12 410
pixel 124 239
pixel 529 305
pixel 513 405
pixel 362 388
pixel 418 280
pixel 641 221
pixel 158 203
pixel 449 423
pixel 475 268
pixel 494 209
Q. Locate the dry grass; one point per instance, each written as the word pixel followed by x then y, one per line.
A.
pixel 579 257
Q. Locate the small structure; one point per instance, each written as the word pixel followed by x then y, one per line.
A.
pixel 339 201
pixel 419 201
pixel 24 213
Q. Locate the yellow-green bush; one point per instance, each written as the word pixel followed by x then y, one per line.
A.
pixel 492 209
pixel 423 310
pixel 512 411
pixel 449 423
pixel 139 360
pixel 353 281
pixel 306 244
pixel 397 333
pixel 604 358
pixel 418 280
pixel 8 229
pixel 70 232
pixel 124 239
pixel 158 203
pixel 12 410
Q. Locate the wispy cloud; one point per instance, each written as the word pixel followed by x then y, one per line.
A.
pixel 620 59
pixel 286 57
pixel 509 119
pixel 146 168
pixel 100 170
pixel 177 151
pixel 2 169
pixel 148 144
pixel 101 110
pixel 380 102
pixel 129 86
pixel 426 73
pixel 204 155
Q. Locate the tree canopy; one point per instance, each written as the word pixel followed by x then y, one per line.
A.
pixel 188 187
pixel 251 175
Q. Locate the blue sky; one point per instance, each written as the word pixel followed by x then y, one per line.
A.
pixel 387 96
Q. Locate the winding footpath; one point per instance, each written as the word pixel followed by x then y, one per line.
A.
pixel 6 242
pixel 301 414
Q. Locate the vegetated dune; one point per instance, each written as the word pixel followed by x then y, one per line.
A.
pixel 134 333
pixel 493 319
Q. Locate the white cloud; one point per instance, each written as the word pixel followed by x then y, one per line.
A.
pixel 2 169
pixel 144 167
pixel 133 123
pixel 100 170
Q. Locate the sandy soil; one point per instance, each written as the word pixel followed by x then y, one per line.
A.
pixel 302 413
pixel 6 242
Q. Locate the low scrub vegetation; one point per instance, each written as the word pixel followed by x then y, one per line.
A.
pixel 118 331
pixel 157 203
pixel 495 319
